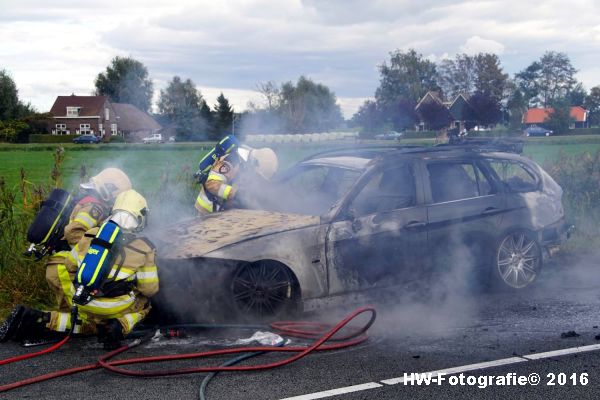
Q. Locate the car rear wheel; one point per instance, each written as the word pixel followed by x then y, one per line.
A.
pixel 263 289
pixel 518 260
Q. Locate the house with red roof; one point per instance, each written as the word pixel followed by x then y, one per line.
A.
pixel 97 115
pixel 537 116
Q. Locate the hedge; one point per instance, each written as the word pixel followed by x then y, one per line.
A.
pixel 37 138
pixel 420 135
pixel 584 131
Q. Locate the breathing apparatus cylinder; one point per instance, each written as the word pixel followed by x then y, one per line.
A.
pixel 46 231
pixel 225 146
pixel 97 263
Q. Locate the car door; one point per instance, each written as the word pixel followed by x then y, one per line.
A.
pixel 464 214
pixel 379 237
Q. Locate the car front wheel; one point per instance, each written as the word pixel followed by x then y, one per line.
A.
pixel 518 260
pixel 263 289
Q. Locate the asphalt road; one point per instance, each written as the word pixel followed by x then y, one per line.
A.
pixel 444 330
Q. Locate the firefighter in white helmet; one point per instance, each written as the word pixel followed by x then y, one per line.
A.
pixel 220 189
pixel 91 211
pixel 123 301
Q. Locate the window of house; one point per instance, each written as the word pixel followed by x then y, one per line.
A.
pixel 457 180
pixel 72 111
pixel 101 129
pixel 387 190
pixel 84 129
pixel 61 129
pixel 113 129
pixel 106 113
pixel 515 176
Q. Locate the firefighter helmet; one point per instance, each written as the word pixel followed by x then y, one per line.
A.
pixel 264 162
pixel 130 211
pixel 108 183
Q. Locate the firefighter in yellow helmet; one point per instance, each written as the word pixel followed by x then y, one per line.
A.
pixel 123 300
pixel 91 210
pixel 220 188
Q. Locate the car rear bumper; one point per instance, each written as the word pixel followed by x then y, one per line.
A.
pixel 552 236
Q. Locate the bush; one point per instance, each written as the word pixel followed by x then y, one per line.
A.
pixel 36 138
pixel 579 177
pixel 420 135
pixel 116 139
pixel 584 131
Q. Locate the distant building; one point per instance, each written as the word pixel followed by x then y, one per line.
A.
pixel 97 115
pixel 537 116
pixel 459 110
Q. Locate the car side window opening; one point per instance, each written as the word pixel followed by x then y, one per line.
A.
pixel 387 190
pixel 457 180
pixel 516 177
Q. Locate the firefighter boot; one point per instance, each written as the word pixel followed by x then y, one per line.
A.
pixel 10 326
pixel 32 326
pixel 110 334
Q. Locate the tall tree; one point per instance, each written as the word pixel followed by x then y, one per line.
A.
pixel 549 79
pixel 223 118
pixel 408 76
pixel 9 98
pixel 592 104
pixel 367 118
pixel 458 76
pixel 126 81
pixel 308 106
pixel 577 95
pixel 516 105
pixel 183 105
pixel 435 115
pixel 486 109
pixel 490 78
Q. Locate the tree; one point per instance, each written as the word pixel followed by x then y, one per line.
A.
pixel 184 107
pixel 223 118
pixel 490 80
pixel 435 115
pixel 271 93
pixel 9 99
pixel 577 95
pixel 457 76
pixel 592 104
pixel 367 117
pixel 408 76
pixel 516 106
pixel 126 81
pixel 486 109
pixel 546 80
pixel 308 107
pixel 560 118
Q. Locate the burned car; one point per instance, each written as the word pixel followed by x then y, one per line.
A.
pixel 350 220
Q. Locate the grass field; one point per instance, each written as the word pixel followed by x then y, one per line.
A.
pixel 145 164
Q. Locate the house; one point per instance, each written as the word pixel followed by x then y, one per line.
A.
pixel 536 116
pixel 459 110
pixel 133 123
pixel 79 115
pixel 97 115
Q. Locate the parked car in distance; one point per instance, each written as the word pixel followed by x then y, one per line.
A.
pixel 86 139
pixel 154 138
pixel 537 131
pixel 365 219
pixel 391 135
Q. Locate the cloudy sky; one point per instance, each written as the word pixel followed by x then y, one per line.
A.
pixel 58 47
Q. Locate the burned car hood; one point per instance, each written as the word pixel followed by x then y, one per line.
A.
pixel 202 235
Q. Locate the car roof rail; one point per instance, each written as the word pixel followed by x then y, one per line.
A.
pixel 362 151
pixel 483 144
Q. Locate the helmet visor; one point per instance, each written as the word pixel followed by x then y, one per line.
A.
pixel 125 220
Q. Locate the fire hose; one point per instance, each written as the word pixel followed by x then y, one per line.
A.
pixel 308 330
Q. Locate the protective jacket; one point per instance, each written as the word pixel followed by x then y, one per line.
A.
pixel 88 213
pixel 218 188
pixel 133 278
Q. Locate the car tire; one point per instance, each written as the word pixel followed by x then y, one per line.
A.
pixel 263 290
pixel 517 262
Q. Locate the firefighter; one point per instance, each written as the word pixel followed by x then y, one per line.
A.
pixel 220 188
pixel 89 212
pixel 123 301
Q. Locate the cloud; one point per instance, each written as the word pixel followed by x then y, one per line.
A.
pixel 476 44
pixel 57 47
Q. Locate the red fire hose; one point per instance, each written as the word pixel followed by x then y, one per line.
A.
pixel 322 333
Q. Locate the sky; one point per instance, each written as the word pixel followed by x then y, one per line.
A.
pixel 53 48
